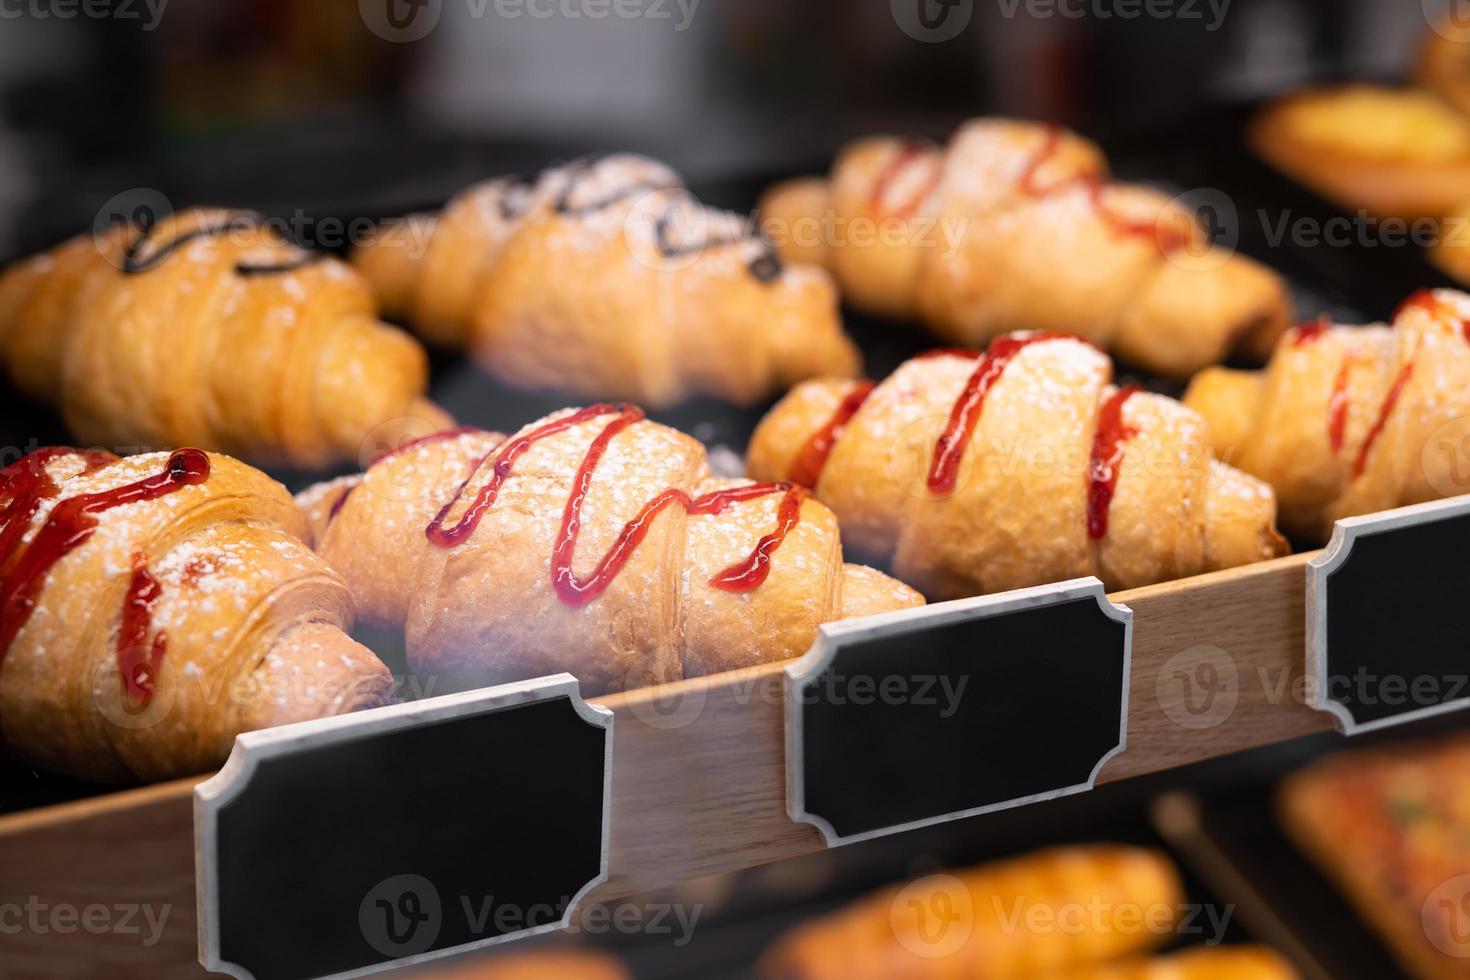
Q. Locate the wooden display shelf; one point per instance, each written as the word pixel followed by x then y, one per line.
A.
pixel 699 782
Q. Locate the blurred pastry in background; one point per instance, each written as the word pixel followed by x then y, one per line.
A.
pixel 1444 62
pixel 1394 152
pixel 1392 828
pixel 1017 226
pixel 1204 963
pixel 547 965
pixel 1056 910
pixel 206 328
pixel 606 279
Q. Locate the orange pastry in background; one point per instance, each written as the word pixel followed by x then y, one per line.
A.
pixel 1394 152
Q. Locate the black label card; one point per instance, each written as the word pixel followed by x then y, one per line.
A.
pixel 353 844
pixel 912 718
pixel 1388 617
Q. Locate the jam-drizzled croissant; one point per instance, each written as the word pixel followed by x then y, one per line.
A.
pixel 594 542
pixel 1203 963
pixel 151 608
pixel 206 329
pixel 977 923
pixel 1021 466
pixel 604 278
pixel 1351 420
pixel 1015 225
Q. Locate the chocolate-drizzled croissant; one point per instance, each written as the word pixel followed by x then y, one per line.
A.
pixel 1351 420
pixel 594 542
pixel 151 608
pixel 980 473
pixel 604 278
pixel 206 329
pixel 1015 225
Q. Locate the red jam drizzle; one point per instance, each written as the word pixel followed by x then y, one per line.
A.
pixel 906 155
pixel 1337 405
pixel 742 576
pixel 1168 239
pixel 23 566
pixel 1107 460
pixel 1307 334
pixel 137 659
pixel 949 449
pixel 807 468
pixel 1425 300
pixel 1390 401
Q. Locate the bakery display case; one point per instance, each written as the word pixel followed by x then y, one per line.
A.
pixel 463 543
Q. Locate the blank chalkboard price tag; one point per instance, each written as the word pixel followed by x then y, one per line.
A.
pixel 912 718
pixel 1388 617
pixel 345 846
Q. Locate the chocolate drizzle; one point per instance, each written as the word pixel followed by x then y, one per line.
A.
pixel 139 258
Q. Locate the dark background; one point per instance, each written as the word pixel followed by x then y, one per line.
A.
pixel 284 104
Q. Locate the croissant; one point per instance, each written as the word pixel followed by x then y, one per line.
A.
pixel 1014 225
pixel 980 473
pixel 206 329
pixel 1351 420
pixel 1050 911
pixel 594 542
pixel 606 279
pixel 151 608
pixel 1206 963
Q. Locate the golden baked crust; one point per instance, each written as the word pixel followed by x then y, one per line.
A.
pixel 605 278
pixel 892 934
pixel 246 626
pixel 1015 225
pixel 1393 152
pixel 206 329
pixel 1205 963
pixel 486 608
pixel 1392 828
pixel 1022 510
pixel 1344 420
